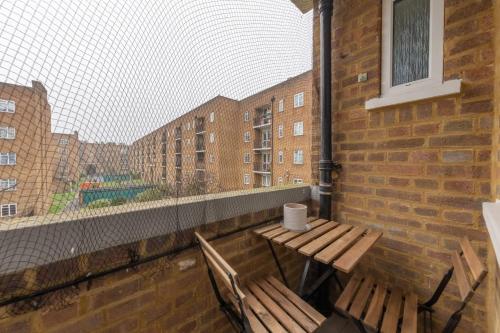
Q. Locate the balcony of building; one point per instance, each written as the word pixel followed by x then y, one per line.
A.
pixel 263 118
pixel 200 125
pixel 178 147
pixel 178 133
pixel 262 167
pixel 262 145
pixel 200 143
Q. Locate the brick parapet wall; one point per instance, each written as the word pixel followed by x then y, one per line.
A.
pixel 417 171
pixel 170 294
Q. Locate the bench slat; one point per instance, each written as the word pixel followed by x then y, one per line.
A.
pixel 274 233
pixel 261 312
pixel 376 307
pixel 321 242
pixel 335 249
pixel 351 257
pixel 462 281
pixel 317 317
pixel 277 311
pixel 475 265
pixel 347 295
pixel 392 313
pixel 410 314
pixel 299 316
pixel 361 298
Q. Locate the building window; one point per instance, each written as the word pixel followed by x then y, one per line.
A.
pixel 298 100
pixel 246 158
pixel 8 184
pixel 246 179
pixel 297 181
pixel 246 137
pixel 7 158
pixel 298 156
pixel 212 117
pixel 280 131
pixel 280 180
pixel 8 210
pixel 7 133
pixel 280 157
pixel 246 116
pixel 298 128
pixel 7 106
pixel 212 137
pixel 412 53
pixel 211 158
pixel 266 180
pixel 281 105
pixel 188 125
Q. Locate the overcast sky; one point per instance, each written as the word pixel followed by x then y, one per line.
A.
pixel 116 70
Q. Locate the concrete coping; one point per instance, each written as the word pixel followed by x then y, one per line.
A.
pixel 35 241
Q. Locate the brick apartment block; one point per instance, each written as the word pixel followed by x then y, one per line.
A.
pixel 24 171
pixel 63 161
pixel 224 144
pixel 96 158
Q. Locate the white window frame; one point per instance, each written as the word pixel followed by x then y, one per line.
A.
pixel 9 205
pixel 246 179
pixel 267 181
pixel 298 100
pixel 430 87
pixel 281 157
pixel 296 154
pixel 280 180
pixel 281 105
pixel 7 106
pixel 246 158
pixel 10 133
pixel 211 158
pixel 10 160
pixel 246 116
pixel 212 117
pixel 298 181
pixel 212 137
pixel 280 131
pixel 8 184
pixel 298 128
pixel 246 137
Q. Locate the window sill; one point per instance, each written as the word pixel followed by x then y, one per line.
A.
pixel 419 93
pixel 491 214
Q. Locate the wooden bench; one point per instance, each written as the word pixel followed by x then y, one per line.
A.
pixel 376 307
pixel 265 305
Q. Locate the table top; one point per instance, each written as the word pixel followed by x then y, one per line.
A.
pixel 329 242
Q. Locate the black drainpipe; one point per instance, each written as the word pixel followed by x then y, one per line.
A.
pixel 326 163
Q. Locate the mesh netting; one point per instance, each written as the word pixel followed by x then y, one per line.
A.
pixel 123 111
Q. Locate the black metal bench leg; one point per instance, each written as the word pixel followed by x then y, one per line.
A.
pixel 303 277
pixel 278 263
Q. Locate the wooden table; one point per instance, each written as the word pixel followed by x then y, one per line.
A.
pixel 338 246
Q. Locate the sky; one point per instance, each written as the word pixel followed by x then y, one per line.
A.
pixel 117 69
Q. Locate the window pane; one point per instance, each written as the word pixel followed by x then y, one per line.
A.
pixel 410 60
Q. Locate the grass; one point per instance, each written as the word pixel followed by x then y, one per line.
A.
pixel 59 201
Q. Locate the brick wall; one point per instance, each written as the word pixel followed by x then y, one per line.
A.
pixel 171 294
pixel 417 171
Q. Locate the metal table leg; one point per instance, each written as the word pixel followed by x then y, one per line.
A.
pixel 303 277
pixel 278 263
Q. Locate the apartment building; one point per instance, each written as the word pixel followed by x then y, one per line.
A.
pixel 276 134
pixel 224 144
pixel 97 159
pixel 194 152
pixel 25 179
pixel 63 160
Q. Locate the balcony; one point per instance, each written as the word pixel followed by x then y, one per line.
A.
pixel 262 121
pixel 200 165
pixel 178 147
pixel 262 167
pixel 262 145
pixel 200 145
pixel 200 126
pixel 178 133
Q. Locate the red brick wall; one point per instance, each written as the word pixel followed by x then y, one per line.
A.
pixel 417 171
pixel 171 294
